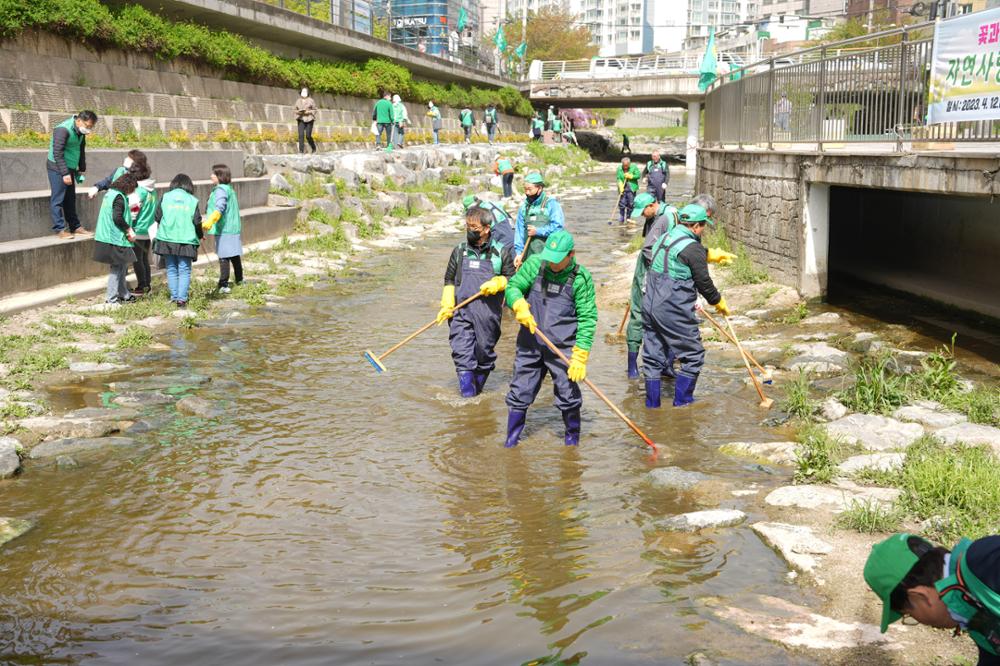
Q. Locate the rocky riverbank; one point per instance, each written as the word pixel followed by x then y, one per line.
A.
pixel 870 421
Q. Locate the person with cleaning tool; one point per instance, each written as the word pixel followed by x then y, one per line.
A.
pixel 467 120
pixel 553 294
pixel 957 590
pixel 678 272
pixel 502 227
pixel 628 184
pixel 480 264
pixel 539 217
pixel 657 175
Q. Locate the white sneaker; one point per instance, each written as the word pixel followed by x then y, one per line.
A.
pixel 225 290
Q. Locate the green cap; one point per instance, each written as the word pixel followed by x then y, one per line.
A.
pixel 469 201
pixel 695 213
pixel 641 202
pixel 887 566
pixel 535 178
pixel 557 246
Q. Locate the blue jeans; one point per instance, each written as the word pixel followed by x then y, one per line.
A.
pixel 178 276
pixel 436 140
pixel 117 291
pixel 491 132
pixel 383 127
pixel 62 204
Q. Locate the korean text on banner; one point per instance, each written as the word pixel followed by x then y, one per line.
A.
pixel 965 75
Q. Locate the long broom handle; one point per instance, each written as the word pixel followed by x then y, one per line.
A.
pixel 614 408
pixel 733 340
pixel 628 311
pixel 746 362
pixel 427 326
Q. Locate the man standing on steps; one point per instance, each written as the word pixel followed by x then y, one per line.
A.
pixel 677 274
pixel 382 115
pixel 435 115
pixel 66 164
pixel 490 118
pixel 504 168
pixel 400 119
pixel 553 293
pixel 628 184
pixel 501 227
pixel 467 120
pixel 657 175
pixel 539 217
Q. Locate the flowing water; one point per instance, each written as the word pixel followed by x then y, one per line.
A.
pixel 333 515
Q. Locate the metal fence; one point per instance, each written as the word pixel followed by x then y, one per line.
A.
pixel 608 68
pixel 867 89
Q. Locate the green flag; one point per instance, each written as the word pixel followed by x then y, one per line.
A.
pixel 709 64
pixel 463 19
pixel 500 40
pixel 521 50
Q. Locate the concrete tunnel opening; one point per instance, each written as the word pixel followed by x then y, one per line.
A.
pixel 940 248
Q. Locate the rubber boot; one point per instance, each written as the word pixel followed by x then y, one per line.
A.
pixel 571 418
pixel 467 385
pixel 515 424
pixel 652 393
pixel 480 377
pixel 668 369
pixel 684 390
pixel 633 365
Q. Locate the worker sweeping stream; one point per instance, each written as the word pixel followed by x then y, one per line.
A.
pixel 502 226
pixel 628 176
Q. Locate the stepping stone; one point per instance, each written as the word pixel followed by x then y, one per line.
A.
pixel 143 399
pixel 832 409
pixel 797 544
pixel 10 462
pixel 883 462
pixel 103 414
pixel 59 447
pixel 11 528
pixel 825 318
pixel 971 433
pixel 809 497
pixel 675 478
pixel 875 433
pixel 778 453
pixel 817 357
pixel 929 413
pixel 699 520
pixel 62 427
pixel 91 367
pixel 196 406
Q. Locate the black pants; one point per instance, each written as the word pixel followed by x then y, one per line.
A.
pixel 306 132
pixel 224 270
pixel 508 184
pixel 141 265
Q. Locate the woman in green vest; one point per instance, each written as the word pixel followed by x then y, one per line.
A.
pixel 114 235
pixel 467 120
pixel 223 221
pixel 490 118
pixel 178 235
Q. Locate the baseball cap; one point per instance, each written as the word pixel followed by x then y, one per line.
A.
pixel 468 201
pixel 695 213
pixel 535 178
pixel 888 564
pixel 557 246
pixel 640 203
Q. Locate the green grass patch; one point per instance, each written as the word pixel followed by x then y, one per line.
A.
pixel 369 230
pixel 797 400
pixel 635 244
pixel 310 188
pixel 818 455
pixel 796 314
pixel 135 337
pixel 743 271
pixel 869 517
pixel 290 285
pixel 981 404
pixel 761 297
pixel 254 293
pixel 877 389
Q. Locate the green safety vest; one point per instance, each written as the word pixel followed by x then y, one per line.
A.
pixel 536 215
pixel 119 172
pixel 466 116
pixel 178 212
pixel 491 116
pixel 661 165
pixel 672 244
pixel 538 123
pixel 557 125
pixel 967 596
pixel 147 211
pixel 504 166
pixel 106 231
pixel 71 152
pixel 230 222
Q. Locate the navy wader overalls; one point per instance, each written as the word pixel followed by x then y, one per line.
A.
pixel 554 309
pixel 502 229
pixel 658 176
pixel 668 320
pixel 658 226
pixel 475 329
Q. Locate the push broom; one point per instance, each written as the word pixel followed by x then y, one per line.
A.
pixel 765 402
pixel 376 361
pixel 765 374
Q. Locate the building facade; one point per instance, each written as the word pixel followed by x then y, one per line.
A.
pixel 704 15
pixel 431 26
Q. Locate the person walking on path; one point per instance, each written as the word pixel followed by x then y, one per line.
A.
pixel 957 589
pixel 538 217
pixel 550 118
pixel 305 116
pixel 557 129
pixel 480 264
pixel 222 220
pixel 435 115
pixel 551 292
pixel 657 175
pixel 537 126
pixel 628 184
pixel 501 226
pixel 626 148
pixel 467 120
pixel 783 113
pixel 113 237
pixel 492 123
pixel 178 235
pixel 66 166
pixel 382 115
pixel 400 119
pixel 504 168
pixel 677 273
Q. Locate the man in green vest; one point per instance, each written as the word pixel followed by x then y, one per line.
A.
pixel 504 167
pixel 382 115
pixel 492 123
pixel 628 184
pixel 539 217
pixel 537 126
pixel 66 164
pixel 467 120
pixel 557 129
pixel 657 175
pixel 958 590
pixel 551 118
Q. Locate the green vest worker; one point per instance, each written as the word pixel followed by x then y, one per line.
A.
pixel 467 120
pixel 553 293
pixel 628 176
pixel 657 175
pixel 959 590
pixel 537 126
pixel 539 217
pixel 490 118
pixel 67 160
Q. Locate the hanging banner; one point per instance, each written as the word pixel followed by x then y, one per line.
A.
pixel 965 71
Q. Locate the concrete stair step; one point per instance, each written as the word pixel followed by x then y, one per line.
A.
pixel 25 215
pixel 38 263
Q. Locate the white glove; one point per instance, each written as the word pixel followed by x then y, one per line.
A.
pixel 663 186
pixel 92 192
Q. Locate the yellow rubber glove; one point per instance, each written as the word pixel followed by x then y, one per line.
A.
pixel 578 365
pixel 210 221
pixel 493 286
pixel 722 308
pixel 721 257
pixel 621 187
pixel 447 304
pixel 522 313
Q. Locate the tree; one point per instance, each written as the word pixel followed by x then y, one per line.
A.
pixel 553 34
pixel 380 28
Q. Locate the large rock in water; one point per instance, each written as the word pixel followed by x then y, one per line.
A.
pixel 778 453
pixel 875 433
pixel 11 528
pixel 196 406
pixel 54 426
pixel 796 543
pixel 59 447
pixel 817 357
pixel 675 477
pixel 699 520
pixel 10 462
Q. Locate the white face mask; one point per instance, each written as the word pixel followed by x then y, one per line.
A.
pixel 304 93
pixel 128 163
pixel 85 130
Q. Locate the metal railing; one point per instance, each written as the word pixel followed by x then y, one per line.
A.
pixel 608 68
pixel 868 89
